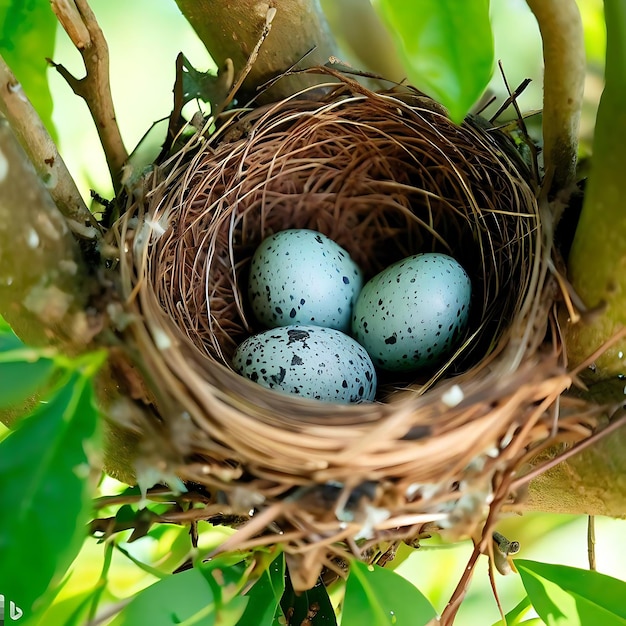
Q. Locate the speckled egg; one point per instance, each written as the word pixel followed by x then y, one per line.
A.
pixel 414 312
pixel 309 361
pixel 300 276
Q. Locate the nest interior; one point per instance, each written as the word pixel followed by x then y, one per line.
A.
pixel 385 175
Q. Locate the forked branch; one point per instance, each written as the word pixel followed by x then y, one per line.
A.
pixel 94 88
pixel 42 152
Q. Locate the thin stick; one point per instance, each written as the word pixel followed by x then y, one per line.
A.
pixel 591 542
pixel 81 25
pixel 42 152
pixel 480 547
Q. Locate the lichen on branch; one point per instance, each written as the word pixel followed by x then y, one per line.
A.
pixel 42 152
pixel 43 286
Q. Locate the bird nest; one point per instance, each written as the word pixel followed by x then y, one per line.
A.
pixel 385 175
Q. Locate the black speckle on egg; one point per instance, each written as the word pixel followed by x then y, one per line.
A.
pixel 279 273
pixel 310 367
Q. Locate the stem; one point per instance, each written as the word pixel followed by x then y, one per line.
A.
pixel 81 25
pixel 231 30
pixel 564 77
pixel 357 24
pixel 598 255
pixel 42 151
pixel 591 542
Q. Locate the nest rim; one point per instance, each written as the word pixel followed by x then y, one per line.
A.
pixel 243 439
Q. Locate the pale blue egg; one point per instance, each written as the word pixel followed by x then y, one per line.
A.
pixel 413 313
pixel 308 361
pixel 300 276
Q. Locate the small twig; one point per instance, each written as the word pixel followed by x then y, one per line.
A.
pixel 483 546
pixel 564 76
pixel 267 27
pixel 41 150
pixel 81 25
pixel 591 542
pixel 512 100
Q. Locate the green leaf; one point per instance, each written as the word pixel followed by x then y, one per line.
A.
pixel 27 34
pixel 379 597
pixel 201 596
pixel 44 467
pixel 205 86
pixel 298 606
pixel 172 600
pixel 265 595
pixel 446 47
pixel 569 596
pixel 23 371
pixel 4 326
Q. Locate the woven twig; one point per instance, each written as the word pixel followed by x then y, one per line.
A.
pixel 386 175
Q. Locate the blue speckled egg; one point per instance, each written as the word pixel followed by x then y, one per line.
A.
pixel 414 312
pixel 309 361
pixel 300 276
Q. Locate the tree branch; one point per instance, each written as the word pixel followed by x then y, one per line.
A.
pixel 598 255
pixel 81 25
pixel 357 25
pixel 564 76
pixel 43 287
pixel 232 30
pixel 42 152
pixel 592 482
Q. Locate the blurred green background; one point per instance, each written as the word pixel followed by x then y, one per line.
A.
pixel 144 38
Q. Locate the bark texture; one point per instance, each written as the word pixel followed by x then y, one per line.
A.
pixel 43 291
pixel 590 483
pixel 231 30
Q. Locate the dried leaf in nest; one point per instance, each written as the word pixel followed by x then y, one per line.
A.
pixel 385 175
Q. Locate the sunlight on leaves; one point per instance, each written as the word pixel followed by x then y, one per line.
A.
pixel 27 36
pixel 564 595
pixel 23 371
pixel 201 596
pixel 172 600
pixel 446 47
pixel 44 475
pixel 379 597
